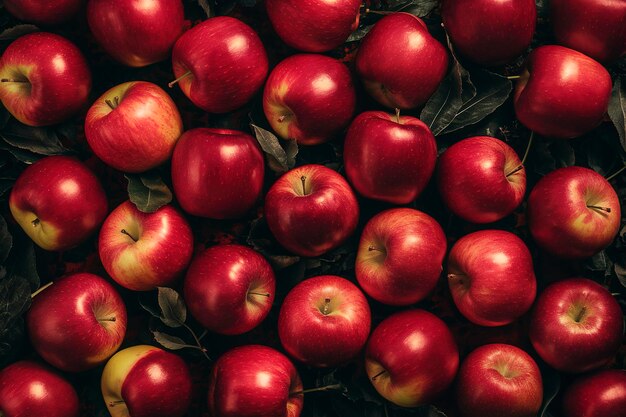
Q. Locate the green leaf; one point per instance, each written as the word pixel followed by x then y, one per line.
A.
pixel 279 159
pixel 419 8
pixel 620 271
pixel 38 140
pixel 168 341
pixel 173 309
pixel 359 33
pixel 6 240
pixel 17 31
pixel 26 157
pixel 25 263
pixel 147 191
pixel 617 108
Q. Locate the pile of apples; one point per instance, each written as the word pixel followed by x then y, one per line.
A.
pixel 410 355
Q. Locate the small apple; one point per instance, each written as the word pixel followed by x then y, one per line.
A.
pixel 599 394
pixel 44 12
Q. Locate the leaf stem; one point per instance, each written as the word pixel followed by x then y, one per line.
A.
pixel 333 387
pixel 609 178
pixel 199 344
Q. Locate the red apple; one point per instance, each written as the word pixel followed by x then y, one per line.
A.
pixel 309 98
pixel 77 323
pixel 573 212
pixel 491 277
pixel 311 210
pixel 28 389
pixel 220 64
pixel 58 202
pixel 389 158
pixel 230 289
pixel 499 380
pixel 43 12
pixel 142 251
pixel 406 72
pixel 481 179
pixel 495 40
pixel 400 256
pixel 136 33
pixel 217 173
pixel 44 79
pixel 254 380
pixel 576 325
pixel 145 381
pixel 133 127
pixel 599 394
pixel 562 93
pixel 314 26
pixel 324 321
pixel 411 357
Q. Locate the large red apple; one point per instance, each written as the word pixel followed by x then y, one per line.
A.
pixel 324 321
pixel 311 210
pixel 576 325
pixel 44 79
pixel 43 12
pixel 309 98
pixel 491 277
pixel 217 173
pixel 389 158
pixel 562 93
pixel 573 212
pixel 400 256
pixel 58 202
pixel 599 394
pixel 133 127
pixel 230 289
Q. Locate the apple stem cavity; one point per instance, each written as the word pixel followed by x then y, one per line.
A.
pixel 124 232
pixel 40 290
pixel 609 178
pixel 333 387
pixel 36 222
pixel 177 80
pixel 580 314
pixel 604 209
pixel 384 371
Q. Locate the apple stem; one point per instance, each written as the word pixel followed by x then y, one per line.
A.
pixel 513 77
pixel 519 168
pixel 521 165
pixel 580 315
pixel 262 294
pixel 333 387
pixel 36 222
pixel 378 12
pixel 609 178
pixel 12 80
pixel 303 179
pixel 41 289
pixel 177 80
pixel 397 115
pixel 114 103
pixel 114 403
pixel 605 209
pixel 113 319
pixel 371 248
pixel 124 232
pixel 384 371
pixel 326 306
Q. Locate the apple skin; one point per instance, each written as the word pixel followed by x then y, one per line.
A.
pixel 229 289
pixel 217 173
pixel 562 93
pixel 145 381
pixel 494 41
pixel 75 309
pixel 576 325
pixel 480 180
pixel 600 394
pixel 137 134
pixel 227 61
pixel 389 158
pixel 43 12
pixel 595 28
pixel 142 251
pixel 28 389
pixel 309 98
pixel 324 321
pixel 411 357
pixel 499 380
pixel 52 79
pixel 58 202
pixel 559 216
pixel 491 277
pixel 254 380
pixel 314 26
pixel 311 209
pixel 400 255
pixel 406 73
pixel 136 33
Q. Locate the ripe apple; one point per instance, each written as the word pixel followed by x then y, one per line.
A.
pixel 219 64
pixel 499 380
pixel 309 98
pixel 502 37
pixel 28 389
pixel 254 380
pixel 596 28
pixel 217 173
pixel 599 394
pixel 573 212
pixel 43 12
pixel 576 325
pixel 136 33
pixel 142 251
pixel 314 26
pixel 230 289
pixel 77 323
pixel 491 277
pixel 562 93
pixel 311 210
pixel 411 357
pixel 324 321
pixel 389 158
pixel 133 127
pixel 44 79
pixel 481 179
pixel 145 381
pixel 400 256
pixel 406 72
pixel 58 202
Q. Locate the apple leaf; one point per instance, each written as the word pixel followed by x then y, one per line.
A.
pixel 548 154
pixel 17 31
pixel 168 341
pixel 620 271
pixel 204 4
pixel 14 301
pixel 38 140
pixel 279 159
pixel 6 240
pixel 24 263
pixel 359 33
pixel 173 309
pixel 147 191
pixel 419 8
pixel 617 108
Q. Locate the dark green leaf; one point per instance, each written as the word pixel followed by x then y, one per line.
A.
pixel 279 159
pixel 419 8
pixel 206 7
pixel 359 33
pixel 24 156
pixel 12 340
pixel 6 184
pixel 247 3
pixel 617 108
pixel 17 31
pixel 551 386
pixel 14 299
pixel 169 341
pixel 279 262
pixel 173 309
pixel 154 312
pixel 620 271
pixel 549 154
pixel 25 264
pixel 38 140
pixel 147 191
pixel 6 240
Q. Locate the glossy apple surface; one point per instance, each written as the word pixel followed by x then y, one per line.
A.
pixel 599 394
pixel 43 12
